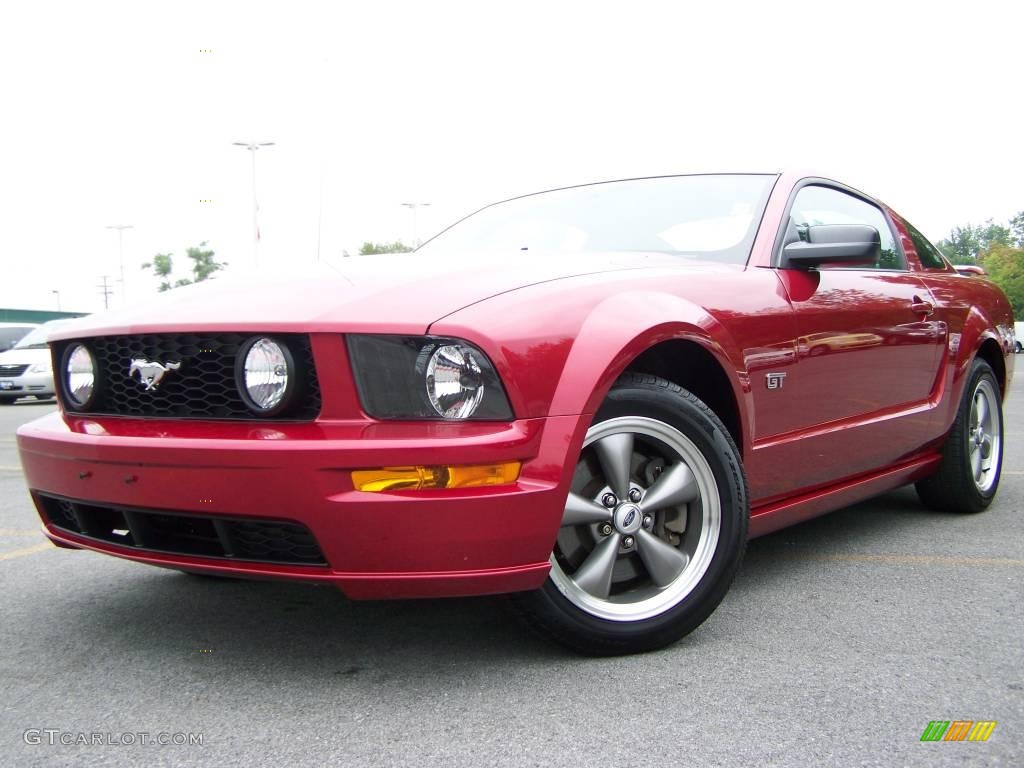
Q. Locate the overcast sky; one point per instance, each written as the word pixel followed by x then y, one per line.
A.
pixel 117 114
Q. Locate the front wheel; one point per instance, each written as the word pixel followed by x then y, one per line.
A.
pixel 972 458
pixel 654 527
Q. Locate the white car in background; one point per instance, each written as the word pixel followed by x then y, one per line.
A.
pixel 1018 333
pixel 12 333
pixel 25 369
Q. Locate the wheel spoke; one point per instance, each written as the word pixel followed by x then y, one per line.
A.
pixel 663 561
pixel 595 575
pixel 581 511
pixel 615 453
pixel 986 447
pixel 981 408
pixel 675 486
pixel 976 464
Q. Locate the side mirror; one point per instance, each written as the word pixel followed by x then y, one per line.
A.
pixel 851 245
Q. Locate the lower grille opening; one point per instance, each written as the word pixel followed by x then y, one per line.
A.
pixel 186 533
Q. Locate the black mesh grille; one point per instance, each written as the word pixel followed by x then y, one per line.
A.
pixel 203 387
pixel 258 540
pixel 7 371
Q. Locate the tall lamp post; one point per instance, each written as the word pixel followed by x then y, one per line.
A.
pixel 253 147
pixel 415 232
pixel 120 251
pixel 57 294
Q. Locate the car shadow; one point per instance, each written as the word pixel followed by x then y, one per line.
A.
pixel 314 629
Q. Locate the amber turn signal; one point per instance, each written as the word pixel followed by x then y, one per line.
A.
pixel 422 478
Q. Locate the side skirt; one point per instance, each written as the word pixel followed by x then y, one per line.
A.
pixel 780 514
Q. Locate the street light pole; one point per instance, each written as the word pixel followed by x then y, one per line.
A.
pixel 57 294
pixel 253 147
pixel 415 230
pixel 120 251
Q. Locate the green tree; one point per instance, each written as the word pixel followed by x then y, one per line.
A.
pixel 162 266
pixel 398 246
pixel 962 245
pixel 203 266
pixel 203 262
pixel 1005 267
pixel 1017 229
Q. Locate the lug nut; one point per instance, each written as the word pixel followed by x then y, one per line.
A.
pixel 606 530
pixel 648 522
pixel 628 542
pixel 609 500
pixel 635 495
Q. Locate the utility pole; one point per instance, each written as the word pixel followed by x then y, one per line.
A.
pixel 415 231
pixel 106 291
pixel 253 147
pixel 57 293
pixel 120 251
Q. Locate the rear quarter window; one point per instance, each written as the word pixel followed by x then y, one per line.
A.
pixel 927 253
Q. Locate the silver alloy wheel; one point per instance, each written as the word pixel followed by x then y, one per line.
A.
pixel 631 560
pixel 985 436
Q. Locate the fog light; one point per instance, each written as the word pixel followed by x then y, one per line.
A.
pixel 421 478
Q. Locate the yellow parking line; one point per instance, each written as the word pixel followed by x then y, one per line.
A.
pixel 10 469
pixel 19 532
pixel 41 547
pixel 1013 472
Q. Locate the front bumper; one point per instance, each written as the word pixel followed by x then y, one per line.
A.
pixel 375 545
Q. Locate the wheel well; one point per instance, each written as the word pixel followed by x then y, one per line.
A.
pixel 993 355
pixel 692 367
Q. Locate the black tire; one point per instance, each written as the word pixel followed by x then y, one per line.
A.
pixel 7 400
pixel 667 613
pixel 953 488
pixel 1018 347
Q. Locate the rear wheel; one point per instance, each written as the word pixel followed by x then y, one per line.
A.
pixel 972 457
pixel 654 527
pixel 7 400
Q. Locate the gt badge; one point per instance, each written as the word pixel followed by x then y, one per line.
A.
pixel 151 373
pixel 774 380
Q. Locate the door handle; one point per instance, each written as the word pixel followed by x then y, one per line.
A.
pixel 919 307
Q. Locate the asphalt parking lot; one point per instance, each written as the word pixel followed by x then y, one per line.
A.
pixel 841 639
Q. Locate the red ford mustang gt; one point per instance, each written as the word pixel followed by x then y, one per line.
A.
pixel 590 397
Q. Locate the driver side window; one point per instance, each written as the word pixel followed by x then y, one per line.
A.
pixel 824 205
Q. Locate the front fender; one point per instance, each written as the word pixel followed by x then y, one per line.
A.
pixel 560 357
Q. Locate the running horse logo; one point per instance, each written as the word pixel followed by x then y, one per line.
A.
pixel 150 372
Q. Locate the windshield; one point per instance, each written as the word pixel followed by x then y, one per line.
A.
pixel 37 338
pixel 712 218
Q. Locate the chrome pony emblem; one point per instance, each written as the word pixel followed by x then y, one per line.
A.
pixel 151 373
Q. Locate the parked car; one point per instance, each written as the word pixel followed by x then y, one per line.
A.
pixel 12 333
pixel 1018 336
pixel 589 397
pixel 25 370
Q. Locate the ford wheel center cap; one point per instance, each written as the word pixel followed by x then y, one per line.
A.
pixel 628 518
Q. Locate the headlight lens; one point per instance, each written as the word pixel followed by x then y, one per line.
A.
pixel 424 377
pixel 80 375
pixel 455 385
pixel 267 375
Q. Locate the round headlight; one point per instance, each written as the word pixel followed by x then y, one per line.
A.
pixel 79 375
pixel 455 385
pixel 267 375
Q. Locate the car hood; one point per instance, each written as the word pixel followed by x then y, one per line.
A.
pixel 24 356
pixel 400 293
